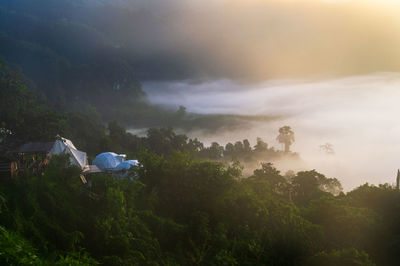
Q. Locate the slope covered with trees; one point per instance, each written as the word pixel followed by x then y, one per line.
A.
pixel 185 211
pixel 186 205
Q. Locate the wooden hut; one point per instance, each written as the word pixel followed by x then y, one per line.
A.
pixel 8 167
pixel 34 156
pixel 8 160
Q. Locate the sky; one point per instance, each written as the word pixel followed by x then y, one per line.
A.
pixel 255 40
pixel 242 40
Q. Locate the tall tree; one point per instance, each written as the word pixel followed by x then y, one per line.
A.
pixel 286 136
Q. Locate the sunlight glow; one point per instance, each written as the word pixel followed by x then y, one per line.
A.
pixel 375 2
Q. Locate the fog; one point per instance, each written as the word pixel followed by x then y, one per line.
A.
pixel 357 115
pixel 252 39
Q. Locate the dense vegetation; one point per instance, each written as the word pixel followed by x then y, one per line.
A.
pixel 186 205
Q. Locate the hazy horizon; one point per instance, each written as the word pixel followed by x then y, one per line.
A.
pixel 352 113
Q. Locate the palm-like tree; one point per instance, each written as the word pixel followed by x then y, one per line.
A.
pixel 286 137
pixel 327 148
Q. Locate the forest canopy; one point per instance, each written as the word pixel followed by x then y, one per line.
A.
pixel 188 204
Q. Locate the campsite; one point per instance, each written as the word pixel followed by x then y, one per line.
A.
pixel 34 157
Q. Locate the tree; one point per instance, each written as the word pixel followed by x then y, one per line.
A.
pixel 238 148
pixel 15 250
pixel 214 152
pixel 261 145
pixel 229 150
pixel 272 175
pixel 181 112
pixel 286 137
pixel 246 146
pixel 348 257
pixel 327 148
pixel 24 113
pixel 308 185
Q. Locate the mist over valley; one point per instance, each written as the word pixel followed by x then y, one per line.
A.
pixel 354 114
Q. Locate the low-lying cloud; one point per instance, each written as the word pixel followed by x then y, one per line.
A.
pixel 358 115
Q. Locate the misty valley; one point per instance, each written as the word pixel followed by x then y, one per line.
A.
pixel 220 132
pixel 351 113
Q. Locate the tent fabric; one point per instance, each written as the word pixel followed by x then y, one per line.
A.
pixel 122 169
pixel 61 144
pixel 65 146
pixel 78 158
pixel 108 160
pixel 69 143
pixel 126 165
pixel 58 147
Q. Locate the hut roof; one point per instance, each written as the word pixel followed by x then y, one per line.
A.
pixel 36 147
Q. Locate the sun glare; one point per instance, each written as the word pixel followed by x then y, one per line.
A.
pixel 375 2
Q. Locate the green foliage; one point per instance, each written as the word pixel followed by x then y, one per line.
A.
pixel 183 184
pixel 16 251
pixel 345 257
pixel 308 185
pixel 22 112
pixel 185 211
pixel 165 141
pixel 272 175
pixel 344 225
pixel 76 259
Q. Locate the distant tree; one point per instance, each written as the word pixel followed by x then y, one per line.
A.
pixel 165 141
pixel 239 148
pixel 261 145
pixel 286 137
pixel 267 171
pixel 181 112
pixel 115 130
pixel 195 145
pixel 331 185
pixel 308 185
pixel 327 148
pixel 272 175
pixel 216 151
pixel 229 150
pixel 246 146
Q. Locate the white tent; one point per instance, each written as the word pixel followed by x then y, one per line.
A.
pixel 65 146
pixel 108 160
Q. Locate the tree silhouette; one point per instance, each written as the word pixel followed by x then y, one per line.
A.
pixel 261 146
pixel 327 148
pixel 286 137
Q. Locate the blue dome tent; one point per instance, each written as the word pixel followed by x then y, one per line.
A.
pixel 122 169
pixel 108 160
